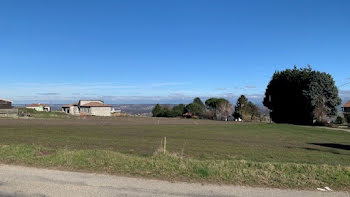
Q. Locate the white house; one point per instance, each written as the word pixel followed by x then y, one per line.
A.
pixel 39 107
pixel 88 107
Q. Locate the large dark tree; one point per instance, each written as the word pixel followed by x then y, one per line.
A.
pixel 245 109
pixel 301 96
pixel 241 106
pixel 157 111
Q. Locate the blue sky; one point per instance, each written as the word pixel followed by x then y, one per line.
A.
pixel 165 51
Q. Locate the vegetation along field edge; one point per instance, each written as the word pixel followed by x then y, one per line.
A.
pixel 173 167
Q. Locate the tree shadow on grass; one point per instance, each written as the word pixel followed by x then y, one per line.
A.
pixel 315 149
pixel 333 145
pixel 319 150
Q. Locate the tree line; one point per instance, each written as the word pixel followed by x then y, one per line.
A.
pixel 297 96
pixel 212 108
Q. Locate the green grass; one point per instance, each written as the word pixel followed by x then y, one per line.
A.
pixel 172 167
pixel 284 156
pixel 254 142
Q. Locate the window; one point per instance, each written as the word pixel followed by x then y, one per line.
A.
pixel 85 110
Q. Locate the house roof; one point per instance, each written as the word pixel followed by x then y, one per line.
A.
pixel 37 105
pixel 69 105
pixel 95 104
pixel 6 100
pixel 92 100
pixel 347 104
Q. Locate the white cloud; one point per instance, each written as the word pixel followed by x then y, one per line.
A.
pixel 221 89
pixel 249 87
pixel 48 94
pixel 167 84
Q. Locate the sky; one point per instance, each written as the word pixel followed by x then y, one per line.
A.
pixel 165 51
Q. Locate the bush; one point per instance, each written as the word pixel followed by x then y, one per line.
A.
pixel 167 111
pixel 339 120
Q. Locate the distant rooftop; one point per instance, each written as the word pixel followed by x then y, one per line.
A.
pixel 347 104
pixel 96 104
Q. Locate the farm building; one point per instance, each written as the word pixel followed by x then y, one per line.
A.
pixel 346 108
pixel 39 107
pixel 88 107
pixel 6 109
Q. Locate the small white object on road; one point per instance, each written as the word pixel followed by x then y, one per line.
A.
pixel 328 189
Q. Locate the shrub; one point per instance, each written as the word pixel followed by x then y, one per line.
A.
pixel 339 120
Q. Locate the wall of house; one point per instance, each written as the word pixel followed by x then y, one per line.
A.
pixel 346 109
pixel 65 109
pixel 40 108
pixel 85 110
pixel 74 110
pixel 100 111
pixel 9 113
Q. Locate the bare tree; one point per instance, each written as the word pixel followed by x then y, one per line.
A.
pixel 224 110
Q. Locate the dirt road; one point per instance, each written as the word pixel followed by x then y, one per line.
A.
pixel 17 181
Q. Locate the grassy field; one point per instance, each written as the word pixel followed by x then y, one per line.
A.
pixel 284 156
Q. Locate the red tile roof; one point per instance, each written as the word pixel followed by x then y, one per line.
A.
pixel 96 104
pixel 347 104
